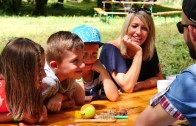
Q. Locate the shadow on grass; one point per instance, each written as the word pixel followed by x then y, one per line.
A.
pixel 68 9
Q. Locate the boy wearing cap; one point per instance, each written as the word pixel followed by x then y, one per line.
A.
pixel 94 75
pixel 178 102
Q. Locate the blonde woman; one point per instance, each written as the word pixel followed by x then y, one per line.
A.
pixel 132 59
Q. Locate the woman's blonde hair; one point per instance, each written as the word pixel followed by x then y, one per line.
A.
pixel 149 44
pixel 21 67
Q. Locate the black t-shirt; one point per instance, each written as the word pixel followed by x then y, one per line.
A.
pixel 112 59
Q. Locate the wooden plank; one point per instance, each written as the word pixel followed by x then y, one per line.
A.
pixel 120 13
pixel 166 13
pixel 147 3
pixel 100 11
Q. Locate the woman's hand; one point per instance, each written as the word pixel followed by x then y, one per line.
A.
pixel 131 45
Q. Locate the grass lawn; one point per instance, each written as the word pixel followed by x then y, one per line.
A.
pixel 172 50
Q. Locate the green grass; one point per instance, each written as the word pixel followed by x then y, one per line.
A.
pixel 172 50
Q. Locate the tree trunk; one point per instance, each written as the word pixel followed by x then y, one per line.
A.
pixel 15 5
pixel 39 8
pixel 46 1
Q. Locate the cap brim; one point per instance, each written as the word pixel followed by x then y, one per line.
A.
pixel 99 43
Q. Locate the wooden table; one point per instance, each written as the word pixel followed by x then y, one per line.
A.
pixel 134 103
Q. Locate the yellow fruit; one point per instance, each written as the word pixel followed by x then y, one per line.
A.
pixel 87 111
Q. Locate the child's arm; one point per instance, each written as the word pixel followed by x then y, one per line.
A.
pixel 6 117
pixel 29 119
pixel 79 93
pixel 110 88
pixel 54 103
pixel 44 115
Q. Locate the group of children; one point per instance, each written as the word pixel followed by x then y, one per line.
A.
pixel 34 81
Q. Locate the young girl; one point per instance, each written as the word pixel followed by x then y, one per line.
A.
pixel 22 63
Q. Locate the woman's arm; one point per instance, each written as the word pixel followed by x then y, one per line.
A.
pixel 128 80
pixel 149 83
pixel 110 88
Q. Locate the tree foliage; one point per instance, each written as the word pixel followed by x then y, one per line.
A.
pixel 14 6
pixel 11 5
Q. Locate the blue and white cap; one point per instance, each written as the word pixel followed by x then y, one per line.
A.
pixel 88 34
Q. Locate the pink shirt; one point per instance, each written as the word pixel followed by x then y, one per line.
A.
pixel 3 107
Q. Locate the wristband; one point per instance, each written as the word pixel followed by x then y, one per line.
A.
pixel 16 119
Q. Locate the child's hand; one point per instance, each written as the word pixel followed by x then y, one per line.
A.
pixel 98 66
pixel 54 104
pixel 29 119
pixel 22 124
pixel 68 103
pixel 44 116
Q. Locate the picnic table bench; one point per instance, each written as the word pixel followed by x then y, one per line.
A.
pixel 166 13
pixel 107 14
pixel 101 12
pixel 127 4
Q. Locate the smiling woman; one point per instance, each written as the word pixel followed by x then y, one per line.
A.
pixel 132 59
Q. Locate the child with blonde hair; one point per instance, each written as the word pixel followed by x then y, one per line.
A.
pixel 22 62
pixel 64 53
pixel 97 81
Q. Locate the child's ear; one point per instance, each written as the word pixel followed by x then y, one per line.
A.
pixel 53 64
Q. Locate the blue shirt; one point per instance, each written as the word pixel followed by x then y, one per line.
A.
pixel 182 94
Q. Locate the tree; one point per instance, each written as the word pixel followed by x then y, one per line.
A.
pixel 11 5
pixel 40 7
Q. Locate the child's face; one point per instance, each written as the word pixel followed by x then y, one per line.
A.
pixel 71 65
pixel 90 55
